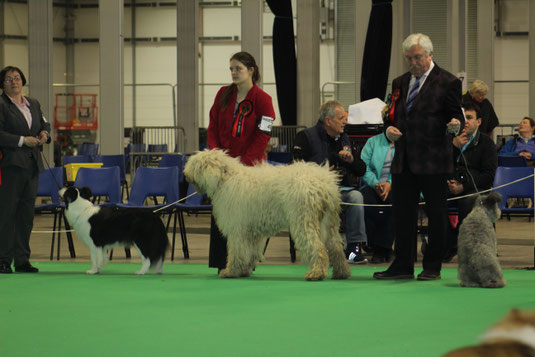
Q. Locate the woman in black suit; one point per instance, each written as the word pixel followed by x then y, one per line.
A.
pixel 23 130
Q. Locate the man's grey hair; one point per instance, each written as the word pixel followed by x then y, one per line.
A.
pixel 418 39
pixel 327 109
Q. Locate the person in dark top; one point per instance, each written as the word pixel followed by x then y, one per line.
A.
pixel 326 142
pixel 474 170
pixel 477 94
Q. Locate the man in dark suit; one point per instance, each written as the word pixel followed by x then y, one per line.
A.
pixel 427 107
pixel 23 130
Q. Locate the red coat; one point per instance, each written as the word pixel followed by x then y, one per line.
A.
pixel 246 140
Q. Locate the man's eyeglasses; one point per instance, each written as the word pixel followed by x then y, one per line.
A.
pixel 9 79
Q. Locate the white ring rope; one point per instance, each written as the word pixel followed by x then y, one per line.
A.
pixel 343 203
pixel 449 199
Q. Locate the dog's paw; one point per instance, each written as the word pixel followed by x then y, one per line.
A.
pixel 92 271
pixel 140 272
pixel 226 273
pixel 313 276
pixel 342 275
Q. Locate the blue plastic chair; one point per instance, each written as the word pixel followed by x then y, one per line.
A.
pixel 522 189
pixel 103 182
pixel 116 160
pixel 50 181
pixel 178 160
pixel 193 205
pixel 512 161
pixel 154 182
pixel 90 149
pixel 281 157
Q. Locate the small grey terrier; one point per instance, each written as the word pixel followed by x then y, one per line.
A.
pixel 478 260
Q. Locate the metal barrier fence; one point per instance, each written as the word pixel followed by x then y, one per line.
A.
pixel 282 137
pixel 173 137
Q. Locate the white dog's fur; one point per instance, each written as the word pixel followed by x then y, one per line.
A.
pixel 253 203
pixel 478 261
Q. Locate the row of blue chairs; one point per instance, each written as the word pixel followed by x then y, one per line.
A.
pixel 105 182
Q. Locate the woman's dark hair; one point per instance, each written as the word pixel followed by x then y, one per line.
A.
pixel 248 61
pixel 9 69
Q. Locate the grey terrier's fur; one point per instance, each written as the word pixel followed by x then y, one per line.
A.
pixel 478 260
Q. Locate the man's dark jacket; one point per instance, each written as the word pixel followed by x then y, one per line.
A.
pixel 315 145
pixel 425 145
pixel 482 161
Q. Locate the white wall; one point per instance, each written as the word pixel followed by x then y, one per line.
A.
pixel 156 61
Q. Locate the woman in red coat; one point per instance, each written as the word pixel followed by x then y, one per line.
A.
pixel 235 120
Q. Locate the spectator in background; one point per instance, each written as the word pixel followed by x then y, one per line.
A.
pixel 478 162
pixel 477 94
pixel 376 185
pixel 523 143
pixel 327 142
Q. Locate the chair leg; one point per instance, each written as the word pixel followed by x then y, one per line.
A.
pixel 265 247
pixel 185 248
pixel 293 257
pixel 53 235
pixel 174 235
pixel 59 235
pixel 69 236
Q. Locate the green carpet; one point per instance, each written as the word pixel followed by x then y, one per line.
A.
pixel 189 311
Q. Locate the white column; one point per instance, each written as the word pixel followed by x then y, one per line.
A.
pixel 111 77
pixel 187 71
pixel 252 12
pixel 308 39
pixel 40 48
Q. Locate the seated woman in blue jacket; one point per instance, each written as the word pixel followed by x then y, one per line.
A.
pixel 376 184
pixel 522 144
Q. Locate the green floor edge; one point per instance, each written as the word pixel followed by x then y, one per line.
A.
pixel 189 311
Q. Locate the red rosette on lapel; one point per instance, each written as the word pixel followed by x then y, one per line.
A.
pixel 244 109
pixel 395 97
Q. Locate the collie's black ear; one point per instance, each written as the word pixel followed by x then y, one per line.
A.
pixel 86 193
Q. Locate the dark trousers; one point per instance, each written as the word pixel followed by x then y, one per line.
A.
pixel 406 188
pixel 379 220
pixel 217 255
pixel 17 203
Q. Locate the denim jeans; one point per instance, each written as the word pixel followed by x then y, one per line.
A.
pixel 354 216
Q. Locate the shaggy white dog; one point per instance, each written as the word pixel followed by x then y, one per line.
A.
pixel 478 261
pixel 253 203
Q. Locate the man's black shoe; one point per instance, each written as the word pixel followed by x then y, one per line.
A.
pixel 26 268
pixel 429 275
pixel 5 269
pixel 385 275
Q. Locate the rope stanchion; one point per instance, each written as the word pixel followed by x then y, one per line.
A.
pixel 449 199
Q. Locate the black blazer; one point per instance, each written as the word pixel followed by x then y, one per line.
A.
pixel 425 145
pixel 13 125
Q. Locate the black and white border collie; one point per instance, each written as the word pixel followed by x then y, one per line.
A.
pixel 102 228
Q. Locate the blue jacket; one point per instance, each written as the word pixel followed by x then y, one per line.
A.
pixel 374 154
pixel 509 149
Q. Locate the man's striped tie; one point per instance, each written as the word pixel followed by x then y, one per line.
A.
pixel 413 93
